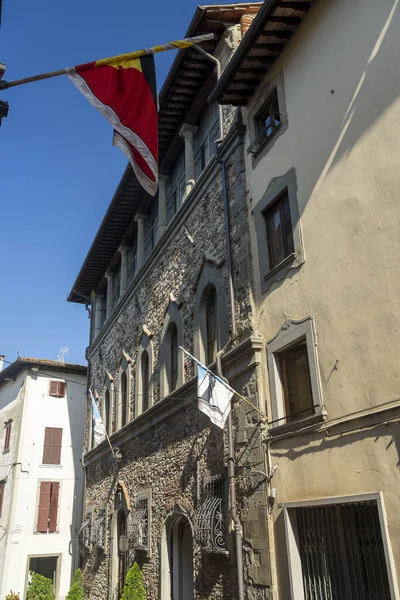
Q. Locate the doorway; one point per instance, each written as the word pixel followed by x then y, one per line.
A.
pixel 177 558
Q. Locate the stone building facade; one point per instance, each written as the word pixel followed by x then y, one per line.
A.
pixel 164 273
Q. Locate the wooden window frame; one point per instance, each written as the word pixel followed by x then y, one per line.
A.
pixel 274 259
pixel 291 333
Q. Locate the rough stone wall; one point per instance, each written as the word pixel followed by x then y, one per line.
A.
pixel 174 453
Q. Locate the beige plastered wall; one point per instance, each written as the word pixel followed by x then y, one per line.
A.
pixel 342 83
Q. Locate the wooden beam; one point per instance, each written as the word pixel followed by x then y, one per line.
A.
pixel 292 21
pixel 269 47
pixel 284 34
pixel 249 82
pixel 252 70
pixel 193 73
pixel 244 93
pixel 301 6
pixel 260 59
pixel 185 90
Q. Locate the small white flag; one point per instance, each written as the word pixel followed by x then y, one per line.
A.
pixel 214 396
pixel 99 432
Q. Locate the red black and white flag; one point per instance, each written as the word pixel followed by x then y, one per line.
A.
pixel 125 93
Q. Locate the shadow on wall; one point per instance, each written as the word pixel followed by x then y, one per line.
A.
pixel 365 98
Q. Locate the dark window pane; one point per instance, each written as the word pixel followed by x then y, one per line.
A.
pixel 270 118
pixel 211 326
pixel 145 380
pixel 296 381
pixel 107 409
pixel 173 347
pixel 279 231
pixel 124 398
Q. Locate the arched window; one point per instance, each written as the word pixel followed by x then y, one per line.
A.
pixel 124 398
pixel 107 411
pixel 145 380
pixel 144 374
pixel 122 550
pixel 171 358
pixel 173 348
pixel 210 322
pixel 211 326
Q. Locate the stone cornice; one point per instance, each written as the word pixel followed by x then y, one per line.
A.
pixel 246 355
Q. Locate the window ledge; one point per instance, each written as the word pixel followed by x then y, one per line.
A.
pixel 315 419
pixel 286 261
pixel 6 451
pixel 49 466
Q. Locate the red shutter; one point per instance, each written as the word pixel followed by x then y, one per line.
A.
pixel 44 506
pixel 57 439
pixel 2 485
pixel 48 446
pixel 52 446
pixel 57 389
pixel 55 488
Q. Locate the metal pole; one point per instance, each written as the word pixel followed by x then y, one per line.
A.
pixel 178 44
pixel 232 492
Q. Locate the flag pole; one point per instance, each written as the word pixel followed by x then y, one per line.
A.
pixel 176 45
pixel 222 381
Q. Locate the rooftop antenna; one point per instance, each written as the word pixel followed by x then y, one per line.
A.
pixel 61 356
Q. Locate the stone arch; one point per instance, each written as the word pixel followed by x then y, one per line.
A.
pixel 172 316
pixel 145 352
pixel 177 543
pixel 210 278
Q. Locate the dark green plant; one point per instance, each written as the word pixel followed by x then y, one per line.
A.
pixel 41 588
pixel 134 588
pixel 76 589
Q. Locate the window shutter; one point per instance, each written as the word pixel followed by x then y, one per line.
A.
pixel 44 505
pixel 57 389
pixel 2 485
pixel 52 446
pixel 57 443
pixel 55 488
pixel 47 446
pixel 7 437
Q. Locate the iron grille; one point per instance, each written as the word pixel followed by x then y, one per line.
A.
pixel 100 529
pixel 210 516
pixel 342 554
pixel 140 524
pixel 84 534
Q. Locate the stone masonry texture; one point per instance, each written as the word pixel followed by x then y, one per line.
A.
pixel 172 455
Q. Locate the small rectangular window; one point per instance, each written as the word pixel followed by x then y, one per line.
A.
pixel 7 438
pixel 279 230
pixel 48 506
pixel 57 389
pixel 2 487
pixel 295 374
pixel 266 123
pixel 52 446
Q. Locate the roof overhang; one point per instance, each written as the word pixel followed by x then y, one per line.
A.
pixel 265 40
pixel 184 84
pixel 21 364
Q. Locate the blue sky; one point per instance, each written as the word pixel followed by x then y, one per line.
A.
pixel 58 167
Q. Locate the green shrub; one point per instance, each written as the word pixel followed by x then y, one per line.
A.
pixel 76 589
pixel 13 596
pixel 41 588
pixel 134 588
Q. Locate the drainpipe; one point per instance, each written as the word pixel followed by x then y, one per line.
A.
pixel 231 448
pixel 225 196
pixel 232 491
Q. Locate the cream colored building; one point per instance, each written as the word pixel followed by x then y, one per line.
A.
pixel 322 113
